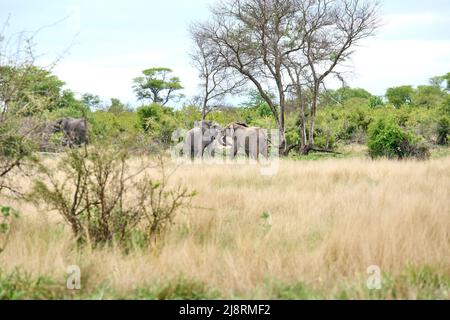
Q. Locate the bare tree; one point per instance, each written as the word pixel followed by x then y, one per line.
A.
pixel 217 80
pixel 289 46
pixel 250 37
pixel 331 29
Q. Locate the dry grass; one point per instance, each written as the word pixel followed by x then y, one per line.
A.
pixel 329 221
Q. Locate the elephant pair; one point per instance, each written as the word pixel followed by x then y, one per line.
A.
pixel 75 131
pixel 209 137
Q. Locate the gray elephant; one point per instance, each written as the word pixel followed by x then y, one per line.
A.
pixel 75 131
pixel 201 138
pixel 253 141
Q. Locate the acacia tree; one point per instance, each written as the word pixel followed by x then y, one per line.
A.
pixel 288 46
pixel 157 85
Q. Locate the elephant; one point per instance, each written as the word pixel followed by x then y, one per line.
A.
pixel 252 140
pixel 201 138
pixel 75 131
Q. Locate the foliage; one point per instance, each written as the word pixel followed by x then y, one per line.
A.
pixel 256 103
pixel 443 131
pixel 399 96
pixel 18 285
pixel 117 106
pixel 388 139
pixel 157 85
pixel 187 116
pixel 180 288
pixel 17 145
pixel 69 106
pixel 107 124
pixel 7 216
pixel 91 101
pixel 428 96
pixel 344 94
pixel 376 101
pixel 104 200
pixel 158 121
pixel 24 86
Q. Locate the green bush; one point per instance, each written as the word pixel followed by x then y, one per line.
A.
pixel 158 121
pixel 93 195
pixel 443 131
pixel 388 139
pixel 18 285
pixel 107 124
pixel 179 288
pixel 7 216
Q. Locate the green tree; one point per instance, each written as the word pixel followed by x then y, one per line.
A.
pixel 399 96
pixel 117 107
pixel 21 86
pixel 447 79
pixel 157 85
pixel 69 106
pixel 376 101
pixel 428 96
pixel 344 94
pixel 439 80
pixel 256 102
pixel 91 101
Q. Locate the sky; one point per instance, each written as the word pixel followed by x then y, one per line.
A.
pixel 105 44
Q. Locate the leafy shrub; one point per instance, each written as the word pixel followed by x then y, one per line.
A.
pixel 16 148
pixel 107 124
pixel 376 101
pixel 7 216
pixel 104 201
pixel 399 96
pixel 158 121
pixel 180 288
pixel 18 285
pixel 443 131
pixel 428 96
pixel 388 139
pixel 296 291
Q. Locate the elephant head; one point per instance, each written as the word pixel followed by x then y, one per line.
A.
pixel 210 131
pixel 59 125
pixel 200 138
pixel 230 131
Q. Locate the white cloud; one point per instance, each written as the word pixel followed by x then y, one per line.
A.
pixel 383 63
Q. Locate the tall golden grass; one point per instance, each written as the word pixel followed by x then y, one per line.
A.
pixel 319 223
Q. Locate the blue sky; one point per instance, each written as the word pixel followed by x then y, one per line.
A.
pixel 111 42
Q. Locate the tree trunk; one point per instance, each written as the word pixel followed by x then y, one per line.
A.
pixel 204 113
pixel 313 117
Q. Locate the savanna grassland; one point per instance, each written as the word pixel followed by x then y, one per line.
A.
pixel 309 232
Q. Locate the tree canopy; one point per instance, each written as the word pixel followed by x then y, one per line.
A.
pixel 157 85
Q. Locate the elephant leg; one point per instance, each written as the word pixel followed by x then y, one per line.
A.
pixel 235 147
